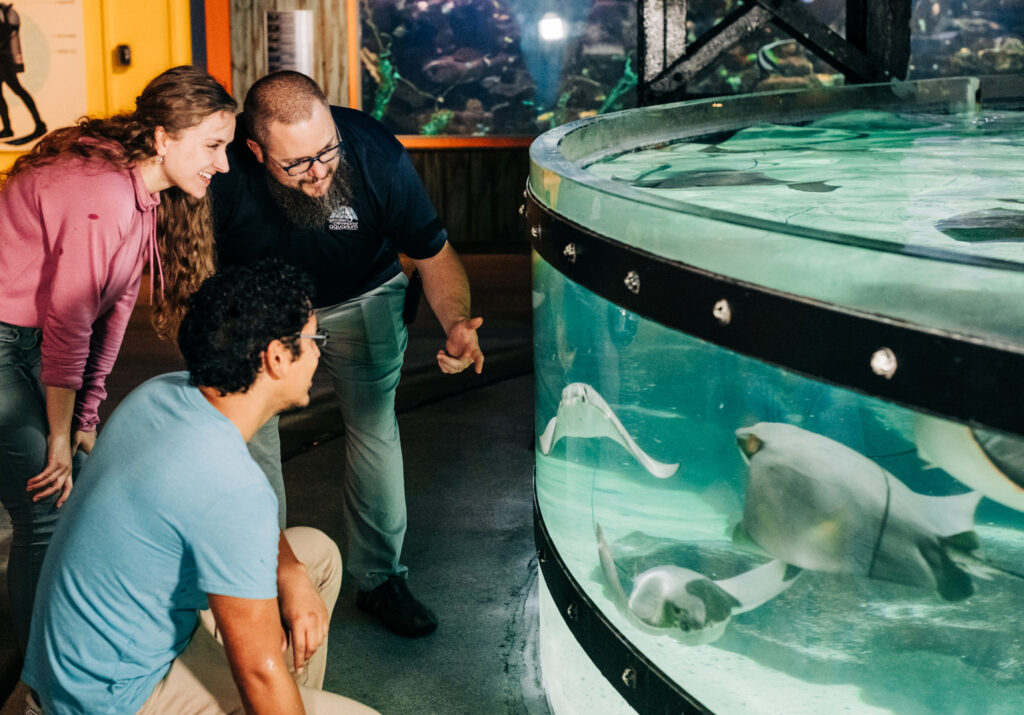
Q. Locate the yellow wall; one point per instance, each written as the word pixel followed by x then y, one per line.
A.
pixel 157 32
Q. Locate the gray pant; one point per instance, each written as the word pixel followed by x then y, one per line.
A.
pixel 23 454
pixel 363 355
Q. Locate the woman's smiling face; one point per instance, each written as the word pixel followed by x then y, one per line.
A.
pixel 192 156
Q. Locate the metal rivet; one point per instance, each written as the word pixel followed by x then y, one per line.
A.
pixel 570 252
pixel 722 312
pixel 632 282
pixel 883 362
pixel 572 611
pixel 629 678
pixel 535 231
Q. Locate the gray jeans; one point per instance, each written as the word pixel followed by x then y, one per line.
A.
pixel 363 355
pixel 23 454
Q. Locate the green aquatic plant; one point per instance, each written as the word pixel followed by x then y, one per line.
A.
pixel 437 123
pixel 388 80
pixel 384 72
pixel 626 82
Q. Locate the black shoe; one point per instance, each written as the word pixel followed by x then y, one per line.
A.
pixel 397 609
pixel 6 133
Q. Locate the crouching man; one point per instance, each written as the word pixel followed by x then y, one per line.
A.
pixel 171 515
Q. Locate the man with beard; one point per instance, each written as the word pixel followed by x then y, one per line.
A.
pixel 331 191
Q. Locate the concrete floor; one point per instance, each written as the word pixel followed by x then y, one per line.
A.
pixel 469 464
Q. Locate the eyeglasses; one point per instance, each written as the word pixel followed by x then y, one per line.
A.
pixel 303 166
pixel 319 337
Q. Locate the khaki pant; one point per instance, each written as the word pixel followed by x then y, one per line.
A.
pixel 200 682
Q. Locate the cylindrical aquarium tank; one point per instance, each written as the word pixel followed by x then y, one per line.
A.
pixel 779 353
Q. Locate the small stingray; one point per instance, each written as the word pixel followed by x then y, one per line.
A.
pixel 582 412
pixel 989 461
pixel 820 505
pixel 701 179
pixel 671 600
pixel 990 225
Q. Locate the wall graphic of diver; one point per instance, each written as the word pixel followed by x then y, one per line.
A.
pixel 12 62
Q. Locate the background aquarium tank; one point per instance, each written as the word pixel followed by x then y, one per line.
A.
pixel 521 67
pixel 779 351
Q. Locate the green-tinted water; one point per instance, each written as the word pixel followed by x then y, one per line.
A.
pixel 862 632
pixel 950 182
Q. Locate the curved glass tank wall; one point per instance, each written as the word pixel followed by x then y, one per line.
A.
pixel 779 351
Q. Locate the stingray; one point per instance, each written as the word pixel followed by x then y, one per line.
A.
pixel 582 412
pixel 675 601
pixel 689 179
pixel 988 461
pixel 988 226
pixel 820 505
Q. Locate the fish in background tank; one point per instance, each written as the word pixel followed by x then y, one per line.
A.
pixel 486 67
pixel 773 543
pixel 521 67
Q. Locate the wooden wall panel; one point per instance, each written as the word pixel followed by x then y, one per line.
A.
pixel 477 193
pixel 248 56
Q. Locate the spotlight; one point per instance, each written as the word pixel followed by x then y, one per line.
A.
pixel 551 27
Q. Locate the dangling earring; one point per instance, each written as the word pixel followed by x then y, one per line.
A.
pixel 159 159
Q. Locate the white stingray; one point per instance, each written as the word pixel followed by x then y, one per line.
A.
pixel 820 505
pixel 987 461
pixel 582 412
pixel 675 601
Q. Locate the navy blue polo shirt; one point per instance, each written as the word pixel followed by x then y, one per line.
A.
pixel 391 213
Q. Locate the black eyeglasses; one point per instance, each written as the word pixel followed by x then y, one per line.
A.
pixel 319 337
pixel 303 166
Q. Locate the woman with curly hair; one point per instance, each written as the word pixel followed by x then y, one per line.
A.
pixel 80 217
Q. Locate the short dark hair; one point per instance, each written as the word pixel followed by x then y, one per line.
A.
pixel 285 96
pixel 235 314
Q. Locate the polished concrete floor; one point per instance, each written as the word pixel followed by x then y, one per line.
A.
pixel 469 464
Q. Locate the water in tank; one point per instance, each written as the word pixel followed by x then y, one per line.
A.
pixel 771 541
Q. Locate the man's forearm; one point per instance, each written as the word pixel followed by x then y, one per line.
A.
pixel 252 639
pixel 446 287
pixel 268 692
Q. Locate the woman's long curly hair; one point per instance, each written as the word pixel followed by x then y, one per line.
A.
pixel 177 99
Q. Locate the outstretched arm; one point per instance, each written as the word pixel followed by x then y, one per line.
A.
pixel 252 638
pixel 447 290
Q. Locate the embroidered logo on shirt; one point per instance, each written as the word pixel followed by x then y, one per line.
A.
pixel 343 218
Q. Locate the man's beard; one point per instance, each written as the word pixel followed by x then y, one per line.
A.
pixel 312 212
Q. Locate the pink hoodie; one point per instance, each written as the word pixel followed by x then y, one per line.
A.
pixel 74 238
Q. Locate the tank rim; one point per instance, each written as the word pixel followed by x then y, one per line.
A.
pixel 927 369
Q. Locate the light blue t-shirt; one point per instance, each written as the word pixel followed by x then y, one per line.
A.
pixel 169 507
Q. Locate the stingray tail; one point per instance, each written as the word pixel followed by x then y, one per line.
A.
pixel 611 573
pixel 979 567
pixel 760 585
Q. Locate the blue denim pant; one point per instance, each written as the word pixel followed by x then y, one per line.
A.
pixel 363 355
pixel 23 453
